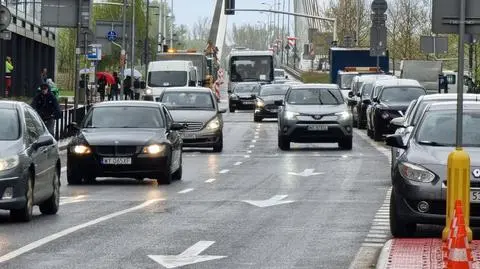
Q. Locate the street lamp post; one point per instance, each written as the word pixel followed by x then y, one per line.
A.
pixel 132 53
pixel 171 25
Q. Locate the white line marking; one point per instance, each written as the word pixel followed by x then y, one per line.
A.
pixel 378 236
pixel 186 191
pixel 257 137
pixel 252 146
pixel 249 151
pixel 375 240
pixel 247 156
pixel 254 141
pixel 375 245
pixel 70 230
pixel 224 171
pixel 381 149
pixel 210 180
pixel 238 163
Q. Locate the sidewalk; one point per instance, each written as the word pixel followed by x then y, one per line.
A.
pixel 418 253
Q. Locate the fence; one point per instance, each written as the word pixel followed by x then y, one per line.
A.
pixel 62 130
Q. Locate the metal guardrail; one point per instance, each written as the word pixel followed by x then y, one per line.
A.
pixel 61 130
pixel 296 74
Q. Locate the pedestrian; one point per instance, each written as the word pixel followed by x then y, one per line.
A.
pixel 47 107
pixel 136 87
pixel 8 75
pixel 115 87
pixel 43 77
pixel 102 83
pixel 127 88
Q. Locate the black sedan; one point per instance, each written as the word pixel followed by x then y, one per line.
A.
pixel 243 95
pixel 265 106
pixel 420 174
pixel 129 139
pixel 29 163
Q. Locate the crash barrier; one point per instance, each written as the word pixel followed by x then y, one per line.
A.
pixel 458 188
pixel 296 74
pixel 61 130
pixel 457 253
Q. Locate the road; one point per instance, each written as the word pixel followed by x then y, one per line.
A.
pixel 251 206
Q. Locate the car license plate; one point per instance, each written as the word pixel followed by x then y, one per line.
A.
pixel 318 127
pixel 475 196
pixel 117 161
pixel 188 135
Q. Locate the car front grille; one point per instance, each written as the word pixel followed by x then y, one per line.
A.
pixel 192 126
pixel 116 150
pixel 271 107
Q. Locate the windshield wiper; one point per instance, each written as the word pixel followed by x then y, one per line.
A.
pixel 336 99
pixel 433 143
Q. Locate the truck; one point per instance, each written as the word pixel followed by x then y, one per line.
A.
pixel 424 71
pixel 346 63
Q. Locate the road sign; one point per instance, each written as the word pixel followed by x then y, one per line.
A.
pixel 6 35
pixel 431 44
pixel 5 17
pixel 378 41
pixel 112 36
pixel 63 13
pixel 445 19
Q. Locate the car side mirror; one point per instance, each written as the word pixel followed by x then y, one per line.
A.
pixel 350 94
pixel 398 122
pixel 177 126
pixel 375 99
pixel 358 94
pixel 223 110
pixel 278 103
pixel 229 91
pixel 43 141
pixel 395 141
pixel 143 85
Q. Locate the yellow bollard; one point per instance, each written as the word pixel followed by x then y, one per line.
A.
pixel 458 188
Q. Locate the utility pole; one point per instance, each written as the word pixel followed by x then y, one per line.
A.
pixel 77 61
pixel 171 25
pixel 165 13
pixel 357 34
pixel 124 43
pixel 132 53
pixel 146 47
pixel 283 32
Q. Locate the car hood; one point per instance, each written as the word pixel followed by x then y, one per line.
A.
pixel 10 148
pixel 122 136
pixel 435 158
pixel 192 115
pixel 317 109
pixel 394 105
pixel 272 98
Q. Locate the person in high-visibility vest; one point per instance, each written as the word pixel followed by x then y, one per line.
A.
pixel 8 75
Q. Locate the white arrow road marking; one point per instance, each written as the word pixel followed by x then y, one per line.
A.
pixel 190 256
pixel 306 173
pixel 275 200
pixel 70 230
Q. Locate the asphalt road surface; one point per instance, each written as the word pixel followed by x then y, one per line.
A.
pixel 251 206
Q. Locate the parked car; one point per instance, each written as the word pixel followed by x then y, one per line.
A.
pixel 126 139
pixel 389 102
pixel 29 163
pixel 265 106
pixel 314 113
pixel 243 95
pixel 197 109
pixel 420 173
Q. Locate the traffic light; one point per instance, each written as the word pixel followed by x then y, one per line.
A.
pixel 229 4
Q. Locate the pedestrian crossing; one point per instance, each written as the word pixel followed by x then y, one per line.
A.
pixel 379 232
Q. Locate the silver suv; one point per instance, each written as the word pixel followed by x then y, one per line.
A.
pixel 314 113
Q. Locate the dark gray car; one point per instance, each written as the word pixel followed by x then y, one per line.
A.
pixel 314 113
pixel 29 163
pixel 198 109
pixel 419 175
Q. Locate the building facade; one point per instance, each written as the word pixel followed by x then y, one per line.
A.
pixel 32 47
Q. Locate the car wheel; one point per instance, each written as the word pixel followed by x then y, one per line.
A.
pixel 377 135
pixel 283 142
pixel 398 227
pixel 346 143
pixel 178 174
pixel 166 177
pixel 51 206
pixel 232 109
pixel 218 147
pixel 25 214
pixel 257 118
pixel 73 176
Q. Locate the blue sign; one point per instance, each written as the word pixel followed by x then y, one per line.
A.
pixel 112 36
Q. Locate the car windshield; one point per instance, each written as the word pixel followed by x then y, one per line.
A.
pixel 367 89
pixel 188 100
pixel 274 90
pixel 438 128
pixel 245 88
pixel 401 94
pixel 317 96
pixel 167 78
pixel 10 124
pixel 279 73
pixel 346 80
pixel 124 117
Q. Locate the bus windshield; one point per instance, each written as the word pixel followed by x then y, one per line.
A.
pixel 251 68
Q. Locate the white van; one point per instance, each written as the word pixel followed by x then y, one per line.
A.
pixel 166 74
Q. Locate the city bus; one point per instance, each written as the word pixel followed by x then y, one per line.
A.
pixel 250 66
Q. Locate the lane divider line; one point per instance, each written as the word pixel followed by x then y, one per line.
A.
pixel 246 156
pixel 52 237
pixel 210 180
pixel 224 171
pixel 252 146
pixel 238 163
pixel 186 191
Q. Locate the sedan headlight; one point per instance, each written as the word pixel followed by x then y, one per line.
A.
pixel 81 149
pixel 260 103
pixel 343 115
pixel 415 173
pixel 213 124
pixel 154 149
pixel 148 91
pixel 289 115
pixel 9 163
